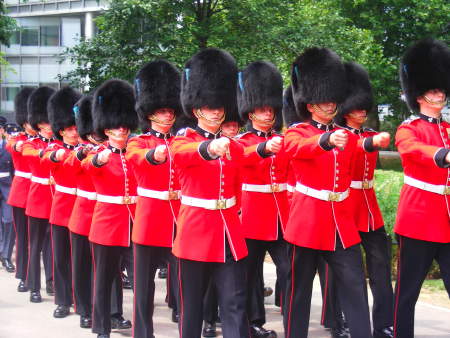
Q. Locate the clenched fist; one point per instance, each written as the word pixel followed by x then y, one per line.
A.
pixel 219 147
pixel 19 146
pixel 103 156
pixel 339 138
pixel 382 140
pixel 274 145
pixel 160 153
pixel 59 155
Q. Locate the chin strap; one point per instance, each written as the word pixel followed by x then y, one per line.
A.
pixel 318 110
pixel 198 113
pixel 153 118
pixel 253 117
pixel 435 103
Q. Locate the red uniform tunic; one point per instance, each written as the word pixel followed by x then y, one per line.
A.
pixel 65 185
pixel 39 200
pixel 262 210
pixel 315 223
pixel 20 185
pixel 423 143
pixel 158 201
pixel 115 181
pixel 367 212
pixel 201 233
pixel 83 209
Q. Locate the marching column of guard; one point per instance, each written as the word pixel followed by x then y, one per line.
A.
pixel 89 196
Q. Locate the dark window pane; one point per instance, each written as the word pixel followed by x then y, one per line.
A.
pixel 14 38
pixel 50 36
pixel 30 36
pixel 11 93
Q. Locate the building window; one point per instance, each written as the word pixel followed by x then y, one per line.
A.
pixel 14 39
pixel 11 93
pixel 49 36
pixel 30 36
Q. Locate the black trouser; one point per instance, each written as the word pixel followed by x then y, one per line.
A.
pixel 348 270
pixel 255 274
pixel 414 262
pixel 127 264
pixel 21 225
pixel 173 297
pixel 146 263
pixel 62 273
pixel 376 245
pixel 107 271
pixel 81 274
pixel 230 283
pixel 39 241
pixel 331 307
pixel 210 303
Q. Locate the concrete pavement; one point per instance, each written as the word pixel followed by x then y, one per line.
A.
pixel 19 318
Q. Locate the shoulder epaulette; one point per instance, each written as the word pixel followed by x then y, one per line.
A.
pixel 242 134
pixel 369 129
pixel 411 119
pixel 293 125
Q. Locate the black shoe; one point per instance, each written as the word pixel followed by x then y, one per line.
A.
pixel 61 311
pixel 386 332
pixel 162 274
pixel 268 291
pixel 22 287
pixel 118 322
pixel 49 288
pixel 85 322
pixel 259 331
pixel 9 266
pixel 2 260
pixel 35 297
pixel 209 329
pixel 339 332
pixel 175 316
pixel 103 335
pixel 126 284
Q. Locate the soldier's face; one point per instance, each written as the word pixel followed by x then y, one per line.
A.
pixel 434 98
pixel 230 129
pixel 70 135
pixel 117 134
pixel 45 129
pixel 163 117
pixel 357 117
pixel 322 112
pixel 213 114
pixel 28 129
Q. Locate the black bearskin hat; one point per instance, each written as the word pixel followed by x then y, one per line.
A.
pixel 260 84
pixel 359 95
pixel 21 105
pixel 157 85
pixel 83 116
pixel 425 66
pixel 60 109
pixel 113 107
pixel 37 106
pixel 290 115
pixel 209 79
pixel 318 76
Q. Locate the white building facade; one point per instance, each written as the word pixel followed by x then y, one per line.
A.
pixel 46 29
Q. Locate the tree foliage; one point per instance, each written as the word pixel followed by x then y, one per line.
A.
pixel 7 25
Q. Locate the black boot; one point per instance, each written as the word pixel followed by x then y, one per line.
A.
pixel 22 287
pixel 61 311
pixel 386 332
pixel 35 297
pixel 118 322
pixel 258 331
pixel 85 322
pixel 49 288
pixel 209 329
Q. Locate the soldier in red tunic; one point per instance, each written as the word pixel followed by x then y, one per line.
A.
pixel 62 120
pixel 209 241
pixel 423 223
pixel 39 198
pixel 322 159
pixel 110 234
pixel 265 208
pixel 20 184
pixel 157 88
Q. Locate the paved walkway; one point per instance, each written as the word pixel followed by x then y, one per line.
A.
pixel 20 318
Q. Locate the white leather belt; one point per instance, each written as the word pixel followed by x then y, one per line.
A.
pixel 22 174
pixel 90 195
pixel 161 195
pixel 290 188
pixel 4 175
pixel 116 199
pixel 66 190
pixel 40 180
pixel 324 195
pixel 361 184
pixel 266 188
pixel 209 204
pixel 437 189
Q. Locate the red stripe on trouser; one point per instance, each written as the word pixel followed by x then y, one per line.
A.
pixel 134 288
pixel 288 333
pixel 325 293
pixel 397 289
pixel 180 284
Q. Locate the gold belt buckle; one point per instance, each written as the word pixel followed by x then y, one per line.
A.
pixel 51 180
pixel 221 204
pixel 173 195
pixel 447 190
pixel 333 197
pixel 365 185
pixel 126 200
pixel 275 187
